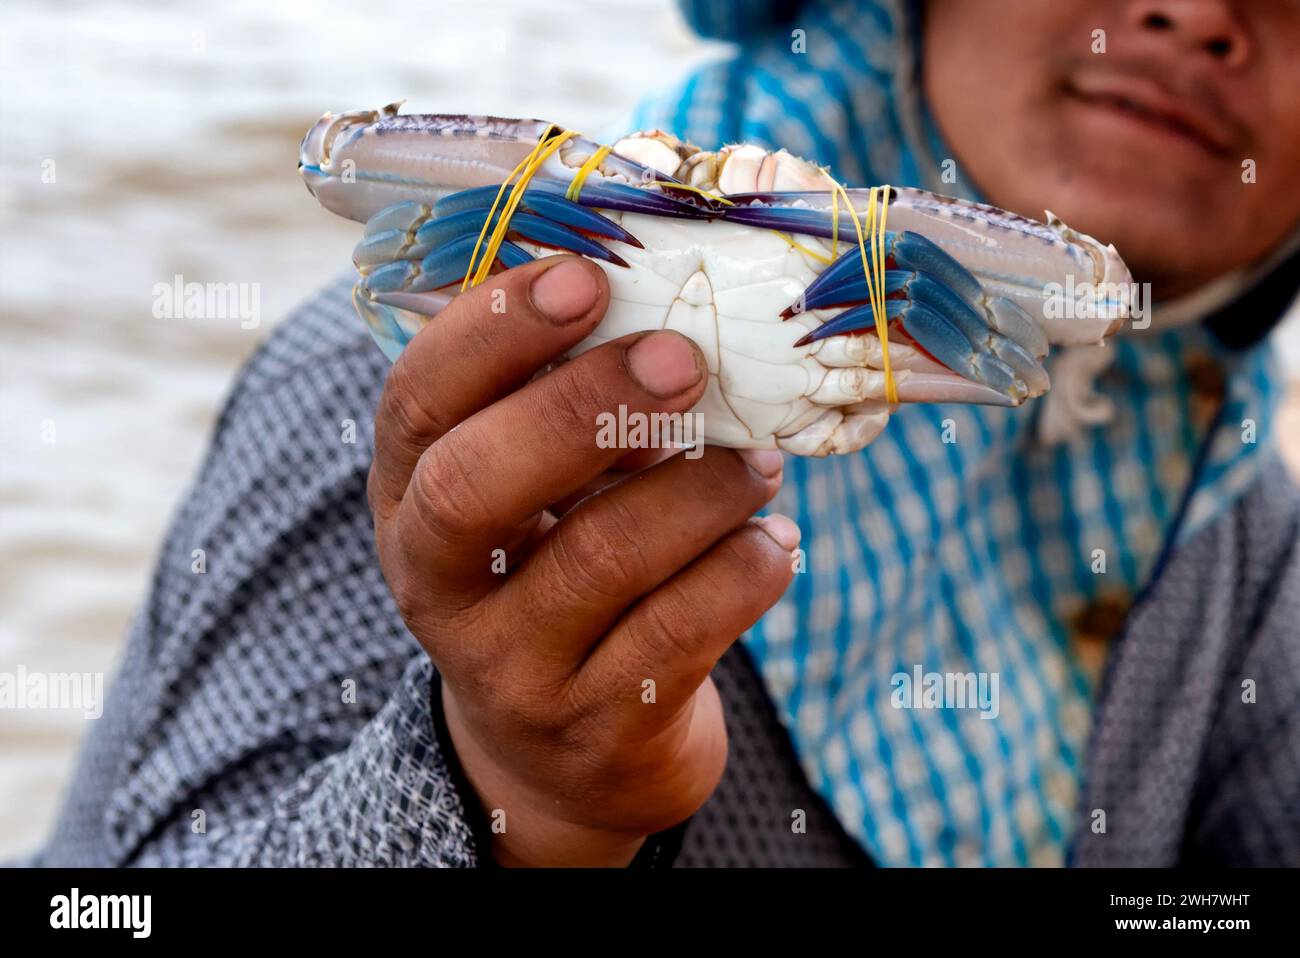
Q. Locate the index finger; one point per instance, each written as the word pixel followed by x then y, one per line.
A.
pixel 474 487
pixel 485 344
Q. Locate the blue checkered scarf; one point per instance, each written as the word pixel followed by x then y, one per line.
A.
pixel 956 543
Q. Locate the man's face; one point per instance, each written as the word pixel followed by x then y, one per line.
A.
pixel 1130 119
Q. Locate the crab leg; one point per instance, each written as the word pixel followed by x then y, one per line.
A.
pixel 948 342
pixel 1011 257
pixel 440 267
pixel 844 282
pixel 952 318
pixel 941 301
pixel 629 199
pixel 398 243
pixel 545 202
pixel 410 215
pixel 941 308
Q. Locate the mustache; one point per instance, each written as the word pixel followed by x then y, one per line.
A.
pixel 1200 92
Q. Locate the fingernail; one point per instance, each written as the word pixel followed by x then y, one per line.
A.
pixel 782 530
pixel 663 363
pixel 564 292
pixel 766 462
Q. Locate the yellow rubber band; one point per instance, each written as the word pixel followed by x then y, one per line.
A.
pixel 469 272
pixel 525 172
pixel 835 224
pixel 512 204
pixel 891 391
pixel 593 161
pixel 873 272
pixel 516 197
pixel 821 257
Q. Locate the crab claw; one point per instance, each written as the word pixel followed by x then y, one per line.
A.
pixel 361 162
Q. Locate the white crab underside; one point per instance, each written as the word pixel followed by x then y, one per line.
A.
pixel 718 283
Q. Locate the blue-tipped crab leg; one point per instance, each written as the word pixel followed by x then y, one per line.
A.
pixel 844 282
pixel 996 362
pixel 768 211
pixel 1012 257
pixel 445 265
pixel 384 322
pixel 630 199
pixel 543 202
pixel 944 310
pixel 811 212
pixel 401 243
pixel 395 317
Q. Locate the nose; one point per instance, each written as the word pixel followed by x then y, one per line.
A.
pixel 1204 27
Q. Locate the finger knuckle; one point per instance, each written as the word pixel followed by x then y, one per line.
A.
pixel 671 625
pixel 406 414
pixel 572 400
pixel 523 698
pixel 753 560
pixel 582 701
pixel 479 319
pixel 598 559
pixel 446 494
pixel 457 637
pixel 484 668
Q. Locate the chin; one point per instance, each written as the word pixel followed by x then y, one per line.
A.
pixel 1173 226
pixel 1111 209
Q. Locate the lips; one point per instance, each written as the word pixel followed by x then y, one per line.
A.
pixel 1150 104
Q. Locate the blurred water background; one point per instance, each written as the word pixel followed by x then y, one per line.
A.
pixel 143 140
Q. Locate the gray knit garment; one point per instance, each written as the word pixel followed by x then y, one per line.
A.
pixel 273 709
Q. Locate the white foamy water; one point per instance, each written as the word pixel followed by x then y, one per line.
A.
pixel 139 141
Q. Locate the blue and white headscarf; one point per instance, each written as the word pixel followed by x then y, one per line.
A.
pixel 957 542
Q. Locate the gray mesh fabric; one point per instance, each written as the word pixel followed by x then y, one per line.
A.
pixel 272 709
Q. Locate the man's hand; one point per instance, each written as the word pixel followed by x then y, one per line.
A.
pixel 576 685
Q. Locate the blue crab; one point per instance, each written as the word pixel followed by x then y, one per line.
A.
pixel 757 255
